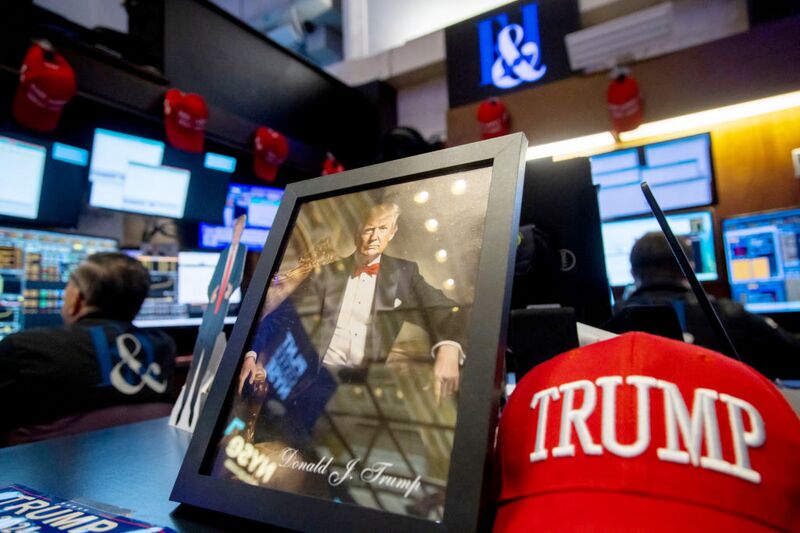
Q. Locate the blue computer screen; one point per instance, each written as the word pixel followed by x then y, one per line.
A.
pixel 679 173
pixel 260 204
pixel 620 236
pixel 763 260
pixel 34 269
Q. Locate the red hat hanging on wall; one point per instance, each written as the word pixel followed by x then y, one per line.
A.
pixel 493 118
pixel 331 165
pixel 46 84
pixel 270 150
pixel 625 104
pixel 185 117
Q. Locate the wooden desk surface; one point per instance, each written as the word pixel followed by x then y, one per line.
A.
pixel 132 467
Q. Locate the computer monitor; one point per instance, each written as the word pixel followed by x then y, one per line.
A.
pixel 679 172
pixel 34 269
pixel 568 268
pixel 178 289
pixel 762 251
pixel 41 181
pixel 620 236
pixel 140 175
pixel 195 270
pixel 260 204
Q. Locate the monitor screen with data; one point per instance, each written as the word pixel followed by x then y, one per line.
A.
pixel 620 236
pixel 179 289
pixel 679 173
pixel 146 176
pixel 34 269
pixel 762 251
pixel 41 181
pixel 260 204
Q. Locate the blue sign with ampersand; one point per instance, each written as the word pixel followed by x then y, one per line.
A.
pixel 512 48
pixel 511 53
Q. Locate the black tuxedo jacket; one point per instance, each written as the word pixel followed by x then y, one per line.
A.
pixel 401 295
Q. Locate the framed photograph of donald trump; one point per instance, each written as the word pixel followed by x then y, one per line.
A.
pixel 361 383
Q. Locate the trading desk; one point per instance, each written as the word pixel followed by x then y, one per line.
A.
pixel 129 467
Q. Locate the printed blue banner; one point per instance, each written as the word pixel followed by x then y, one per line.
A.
pixel 24 509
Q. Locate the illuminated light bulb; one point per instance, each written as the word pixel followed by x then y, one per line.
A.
pixel 458 187
pixel 421 197
pixel 431 225
pixel 449 283
pixel 441 256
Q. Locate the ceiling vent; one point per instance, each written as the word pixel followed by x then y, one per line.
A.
pixel 633 37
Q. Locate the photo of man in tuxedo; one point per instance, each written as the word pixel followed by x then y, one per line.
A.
pixel 359 303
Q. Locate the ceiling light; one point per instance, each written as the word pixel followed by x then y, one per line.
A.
pixel 431 224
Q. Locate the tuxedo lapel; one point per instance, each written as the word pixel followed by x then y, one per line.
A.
pixel 386 286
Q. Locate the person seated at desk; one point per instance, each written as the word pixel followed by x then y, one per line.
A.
pixel 659 281
pixel 96 360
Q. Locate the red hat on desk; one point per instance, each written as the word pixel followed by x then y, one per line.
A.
pixel 642 433
pixel 185 117
pixel 46 84
pixel 270 150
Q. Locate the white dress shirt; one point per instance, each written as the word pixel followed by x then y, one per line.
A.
pixel 348 344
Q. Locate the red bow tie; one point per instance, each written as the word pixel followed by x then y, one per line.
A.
pixel 370 270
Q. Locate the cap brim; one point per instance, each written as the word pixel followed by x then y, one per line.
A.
pixel 264 170
pixel 184 139
pixel 33 116
pixel 601 511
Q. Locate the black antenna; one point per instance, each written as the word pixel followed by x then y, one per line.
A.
pixel 686 268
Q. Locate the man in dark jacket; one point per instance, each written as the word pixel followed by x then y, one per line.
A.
pixel 758 340
pixel 97 359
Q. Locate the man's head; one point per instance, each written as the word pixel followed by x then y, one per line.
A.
pixel 652 260
pixel 375 231
pixel 111 284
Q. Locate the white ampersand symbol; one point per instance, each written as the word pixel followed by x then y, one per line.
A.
pixel 520 59
pixel 128 359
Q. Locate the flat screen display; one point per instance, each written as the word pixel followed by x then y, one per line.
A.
pixel 762 252
pixel 21 174
pixel 145 176
pixel 260 204
pixel 178 289
pixel 679 172
pixel 41 182
pixel 34 269
pixel 195 270
pixel 620 236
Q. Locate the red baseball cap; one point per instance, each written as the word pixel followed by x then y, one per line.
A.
pixel 625 105
pixel 493 118
pixel 331 165
pixel 185 117
pixel 270 150
pixel 46 84
pixel 643 433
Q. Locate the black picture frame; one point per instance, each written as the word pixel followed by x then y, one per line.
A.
pixel 466 500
